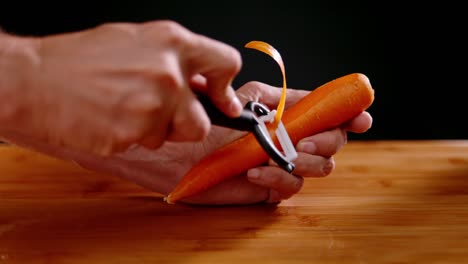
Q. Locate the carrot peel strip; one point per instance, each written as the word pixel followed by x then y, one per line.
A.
pixel 272 52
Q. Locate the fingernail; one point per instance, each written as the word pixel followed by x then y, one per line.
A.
pixel 253 174
pixel 328 168
pixel 236 106
pixel 308 147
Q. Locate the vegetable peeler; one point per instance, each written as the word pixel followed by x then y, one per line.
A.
pixel 252 119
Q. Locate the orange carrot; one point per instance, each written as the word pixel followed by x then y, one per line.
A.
pixel 324 108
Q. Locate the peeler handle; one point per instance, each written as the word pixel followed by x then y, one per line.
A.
pixel 245 122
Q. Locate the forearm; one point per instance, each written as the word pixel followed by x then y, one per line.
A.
pixel 141 166
pixel 7 106
pixel 18 57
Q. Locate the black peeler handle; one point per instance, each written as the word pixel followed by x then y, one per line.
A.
pixel 245 122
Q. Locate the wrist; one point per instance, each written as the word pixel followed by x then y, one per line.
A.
pixel 18 58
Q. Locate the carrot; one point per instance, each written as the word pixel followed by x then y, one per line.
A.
pixel 324 108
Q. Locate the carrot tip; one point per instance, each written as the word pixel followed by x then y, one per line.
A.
pixel 168 200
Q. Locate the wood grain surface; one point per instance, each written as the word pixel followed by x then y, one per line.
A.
pixel 386 202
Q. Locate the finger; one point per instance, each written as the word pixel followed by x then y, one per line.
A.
pixel 284 184
pixel 268 95
pixel 156 136
pixel 190 122
pixel 236 190
pixel 359 124
pixel 198 84
pixel 218 63
pixel 159 126
pixel 308 165
pixel 324 144
pixel 136 121
pixel 152 141
pixel 225 99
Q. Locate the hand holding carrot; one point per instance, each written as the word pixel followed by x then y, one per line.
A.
pixel 269 183
pixel 325 108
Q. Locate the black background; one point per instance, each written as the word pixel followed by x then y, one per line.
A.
pixel 414 56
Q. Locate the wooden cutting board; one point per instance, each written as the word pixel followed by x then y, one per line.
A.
pixel 386 202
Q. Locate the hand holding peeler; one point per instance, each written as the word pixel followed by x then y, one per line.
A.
pixel 252 119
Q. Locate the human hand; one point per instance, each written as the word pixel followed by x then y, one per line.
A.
pixel 160 170
pixel 104 89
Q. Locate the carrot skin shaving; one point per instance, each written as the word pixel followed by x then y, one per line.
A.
pixel 272 52
pixel 324 108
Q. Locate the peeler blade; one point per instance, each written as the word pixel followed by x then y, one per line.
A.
pixel 284 158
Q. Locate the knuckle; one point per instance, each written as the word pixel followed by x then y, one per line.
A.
pixel 337 140
pixel 252 90
pixel 199 130
pixel 190 129
pixel 152 142
pixel 142 101
pixel 123 27
pixel 169 80
pixel 275 179
pixel 153 105
pixel 257 88
pixel 197 134
pixel 254 85
pixel 108 147
pixel 174 33
pixel 169 25
pixel 162 80
pixel 126 135
pixel 329 142
pixel 234 57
